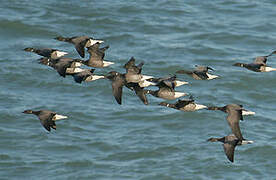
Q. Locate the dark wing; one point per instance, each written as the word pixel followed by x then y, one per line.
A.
pixel 46 120
pixel 80 48
pixel 140 92
pixel 81 76
pixel 130 63
pixel 45 52
pixel 181 103
pixel 201 74
pixel 254 67
pixel 229 150
pixel 61 67
pixel 233 118
pixel 169 83
pixel 95 53
pixel 117 90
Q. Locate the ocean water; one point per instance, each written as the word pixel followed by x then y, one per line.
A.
pixel 103 140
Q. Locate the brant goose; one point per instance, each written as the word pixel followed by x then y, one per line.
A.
pixel 229 144
pixel 235 114
pixel 64 66
pixel 184 105
pixel 259 64
pixel 133 73
pixel 166 89
pixel 47 118
pixel 176 83
pixel 200 73
pixel 118 81
pixel 47 52
pixel 86 76
pixel 96 58
pixel 80 42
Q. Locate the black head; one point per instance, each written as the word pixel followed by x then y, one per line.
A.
pixel 29 49
pixel 238 64
pixel 59 38
pixel 28 111
pixel 212 139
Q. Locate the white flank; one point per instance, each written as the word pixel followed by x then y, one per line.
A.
pixel 107 63
pixel 77 64
pixel 180 83
pixel 145 77
pixel 74 70
pixel 179 94
pixel 247 142
pixel 60 53
pixel 91 42
pixel 146 83
pixel 57 117
pixel 93 78
pixel 200 106
pixel 269 69
pixel 246 112
pixel 210 76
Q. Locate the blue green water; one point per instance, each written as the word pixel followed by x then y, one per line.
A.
pixel 103 140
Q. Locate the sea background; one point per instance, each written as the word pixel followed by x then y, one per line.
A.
pixel 103 140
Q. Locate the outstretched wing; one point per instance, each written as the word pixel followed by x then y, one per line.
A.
pixel 229 150
pixel 233 119
pixel 46 120
pixel 117 90
pixel 95 53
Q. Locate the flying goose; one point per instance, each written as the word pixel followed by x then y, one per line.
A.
pixel 229 144
pixel 86 75
pixel 47 118
pixel 80 42
pixel 176 83
pixel 47 52
pixel 259 64
pixel 200 73
pixel 64 66
pixel 133 73
pixel 96 58
pixel 184 105
pixel 235 114
pixel 166 89
pixel 118 81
